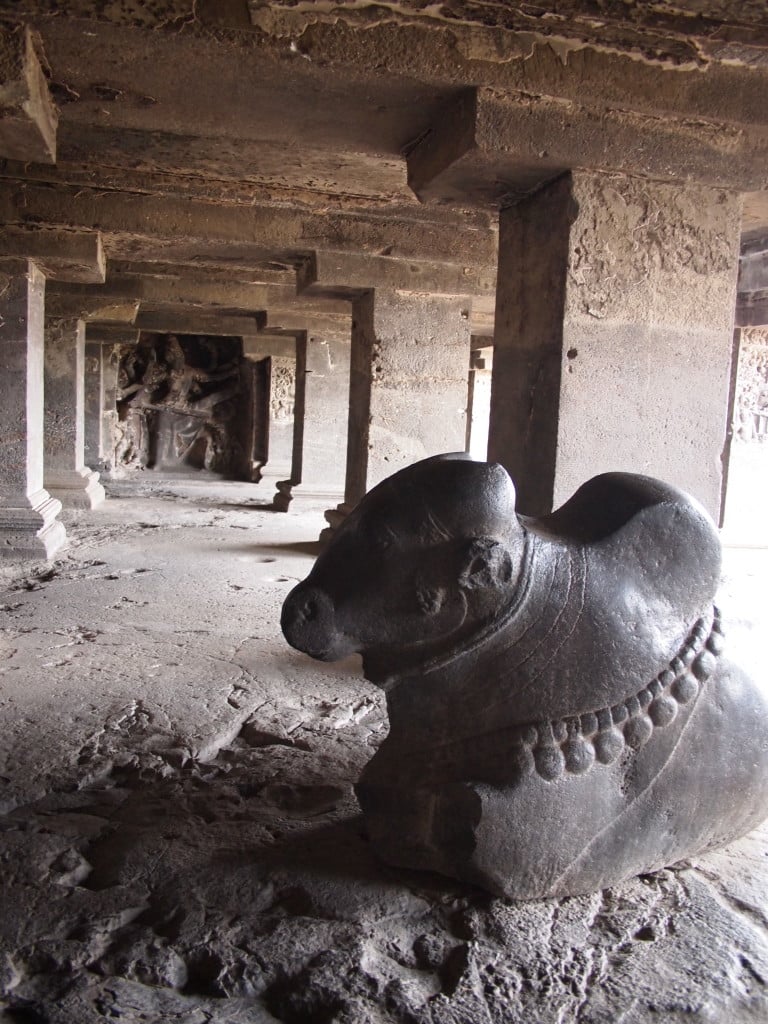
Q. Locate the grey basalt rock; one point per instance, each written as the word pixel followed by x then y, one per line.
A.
pixel 562 715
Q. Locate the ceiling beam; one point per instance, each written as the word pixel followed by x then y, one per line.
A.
pixel 255 232
pixel 191 272
pixel 495 149
pixel 185 321
pixel 62 254
pixel 111 334
pixel 348 274
pixel 90 307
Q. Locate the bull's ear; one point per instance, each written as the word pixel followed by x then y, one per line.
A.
pixel 485 563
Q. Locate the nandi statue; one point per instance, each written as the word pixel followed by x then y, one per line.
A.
pixel 562 716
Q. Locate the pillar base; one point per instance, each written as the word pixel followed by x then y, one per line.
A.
pixel 334 517
pixel 283 496
pixel 78 489
pixel 31 530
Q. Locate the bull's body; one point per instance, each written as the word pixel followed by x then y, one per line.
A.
pixel 561 714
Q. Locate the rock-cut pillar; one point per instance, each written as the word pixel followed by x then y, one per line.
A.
pixel 28 524
pixel 66 475
pixel 613 338
pixel 408 385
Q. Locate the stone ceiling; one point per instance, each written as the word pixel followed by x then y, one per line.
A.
pixel 240 137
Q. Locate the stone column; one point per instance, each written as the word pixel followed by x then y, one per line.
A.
pixel 28 524
pixel 326 412
pixel 284 488
pixel 614 319
pixel 92 407
pixel 66 475
pixel 408 385
pixel 110 365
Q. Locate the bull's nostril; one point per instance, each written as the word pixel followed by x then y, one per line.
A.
pixel 308 611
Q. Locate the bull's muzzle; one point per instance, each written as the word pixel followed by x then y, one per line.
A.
pixel 307 622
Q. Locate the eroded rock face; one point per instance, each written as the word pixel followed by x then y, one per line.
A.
pixel 562 716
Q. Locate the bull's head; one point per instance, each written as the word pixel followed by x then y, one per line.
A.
pixel 426 559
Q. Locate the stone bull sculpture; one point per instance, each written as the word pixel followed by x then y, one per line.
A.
pixel 561 713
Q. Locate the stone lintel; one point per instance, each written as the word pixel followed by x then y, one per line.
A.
pixel 61 253
pixel 207 297
pixel 262 345
pixel 188 322
pixel 90 307
pixel 497 149
pixel 183 292
pixel 29 121
pixel 111 334
pixel 752 310
pixel 326 325
pixel 272 232
pixel 348 275
pixel 192 271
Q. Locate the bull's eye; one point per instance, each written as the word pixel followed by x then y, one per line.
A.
pixel 383 539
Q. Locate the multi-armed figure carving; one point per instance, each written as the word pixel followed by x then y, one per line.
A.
pixel 562 716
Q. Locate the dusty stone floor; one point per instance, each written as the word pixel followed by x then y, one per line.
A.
pixel 180 841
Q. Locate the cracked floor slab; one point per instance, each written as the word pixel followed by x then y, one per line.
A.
pixel 180 840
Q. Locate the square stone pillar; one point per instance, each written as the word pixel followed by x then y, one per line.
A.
pixel 28 524
pixel 408 385
pixel 92 407
pixel 110 367
pixel 287 437
pixel 66 475
pixel 326 413
pixel 614 319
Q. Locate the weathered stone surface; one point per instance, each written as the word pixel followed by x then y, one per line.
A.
pixel 66 476
pixel 614 321
pixel 243 233
pixel 28 523
pixel 92 306
pixel 183 320
pixel 110 334
pixel 498 148
pixel 29 117
pixel 163 860
pixel 92 412
pixel 410 359
pixel 688 34
pixel 326 413
pixel 561 714
pixel 339 273
pixel 62 255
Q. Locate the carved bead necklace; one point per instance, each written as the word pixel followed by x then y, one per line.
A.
pixel 572 745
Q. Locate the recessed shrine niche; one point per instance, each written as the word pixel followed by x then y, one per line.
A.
pixel 186 404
